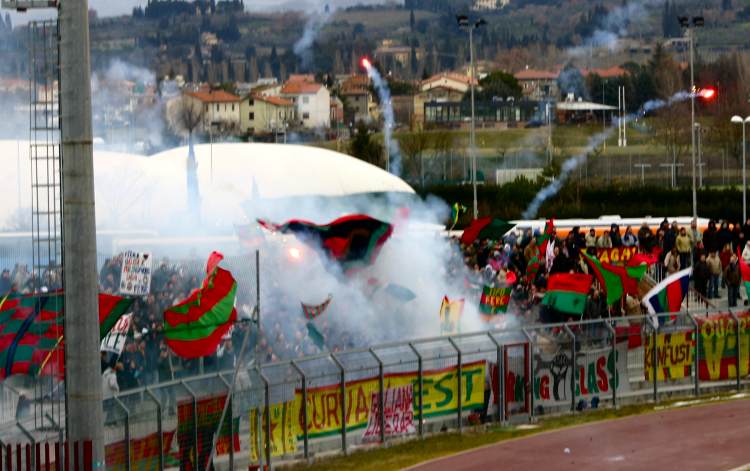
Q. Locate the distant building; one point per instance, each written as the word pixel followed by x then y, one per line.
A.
pixel 389 52
pixel 265 114
pixel 312 101
pixel 220 108
pixel 538 84
pixel 444 87
pixel 356 92
pixel 337 112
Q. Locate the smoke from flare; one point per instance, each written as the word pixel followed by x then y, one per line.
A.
pixel 389 121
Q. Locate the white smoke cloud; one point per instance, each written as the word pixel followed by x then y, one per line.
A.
pixel 389 120
pixel 315 23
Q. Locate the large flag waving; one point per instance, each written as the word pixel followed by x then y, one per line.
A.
pixel 745 272
pixel 617 281
pixel 566 292
pixel 667 296
pixel 31 330
pixel 353 241
pixel 194 327
pixel 545 238
pixel 450 315
pixel 485 228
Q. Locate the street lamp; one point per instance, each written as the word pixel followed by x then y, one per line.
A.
pixel 738 120
pixel 464 23
pixel 689 24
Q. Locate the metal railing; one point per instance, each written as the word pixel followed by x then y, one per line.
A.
pixel 342 401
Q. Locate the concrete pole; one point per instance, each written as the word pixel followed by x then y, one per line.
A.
pixel 744 174
pixel 692 120
pixel 83 384
pixel 472 137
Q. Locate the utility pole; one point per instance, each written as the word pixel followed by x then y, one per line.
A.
pixel 690 24
pixel 83 384
pixel 643 168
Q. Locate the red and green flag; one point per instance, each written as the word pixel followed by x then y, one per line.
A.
pixel 745 272
pixel 617 281
pixel 566 292
pixel 545 238
pixel 485 228
pixel 494 300
pixel 111 309
pixel 194 327
pixel 353 241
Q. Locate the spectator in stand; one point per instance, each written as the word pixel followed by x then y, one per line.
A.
pixel 672 261
pixel 614 235
pixel 629 239
pixel 590 242
pixel 695 233
pixel 699 250
pixel 733 277
pixel 604 241
pixel 725 256
pixel 5 284
pixel 710 238
pixel 714 267
pixel 645 238
pixel 684 247
pixel 579 241
pixel 746 230
pixel 723 236
pixel 701 275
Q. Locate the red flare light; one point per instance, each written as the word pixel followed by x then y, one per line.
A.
pixel 708 93
pixel 366 63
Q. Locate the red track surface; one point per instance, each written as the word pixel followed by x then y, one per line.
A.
pixel 710 437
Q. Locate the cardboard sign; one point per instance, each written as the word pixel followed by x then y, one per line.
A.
pixel 135 278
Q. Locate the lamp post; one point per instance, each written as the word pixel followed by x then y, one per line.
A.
pixel 464 23
pixel 689 24
pixel 738 120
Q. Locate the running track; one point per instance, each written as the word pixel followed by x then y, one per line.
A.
pixel 707 437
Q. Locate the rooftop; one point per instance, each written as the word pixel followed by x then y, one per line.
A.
pixel 214 96
pixel 300 88
pixel 536 74
pixel 273 100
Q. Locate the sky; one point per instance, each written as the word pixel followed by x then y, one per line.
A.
pixel 125 7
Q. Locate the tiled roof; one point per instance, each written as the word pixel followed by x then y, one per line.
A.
pixel 300 88
pixel 274 100
pixel 214 96
pixel 451 76
pixel 536 74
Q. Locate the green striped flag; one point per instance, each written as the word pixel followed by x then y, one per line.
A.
pixel 494 300
pixel 194 327
pixel 617 281
pixel 566 292
pixel 111 308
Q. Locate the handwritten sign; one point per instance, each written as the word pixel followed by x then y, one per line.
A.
pixel 135 278
pixel 398 415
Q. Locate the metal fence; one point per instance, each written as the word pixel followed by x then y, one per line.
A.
pixel 295 410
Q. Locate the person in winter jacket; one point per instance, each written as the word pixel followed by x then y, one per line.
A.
pixel 614 235
pixel 591 242
pixel 629 239
pixel 684 247
pixel 725 256
pixel 732 277
pixel 701 275
pixel 672 261
pixel 604 241
pixel 645 237
pixel 714 267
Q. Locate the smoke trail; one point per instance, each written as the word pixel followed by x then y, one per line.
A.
pixel 389 121
pixel 572 163
pixel 614 26
pixel 303 47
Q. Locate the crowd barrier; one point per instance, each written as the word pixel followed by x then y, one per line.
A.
pixel 350 400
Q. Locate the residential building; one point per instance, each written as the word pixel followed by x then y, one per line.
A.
pixel 359 100
pixel 312 102
pixel 220 109
pixel 265 114
pixel 538 84
pixel 444 87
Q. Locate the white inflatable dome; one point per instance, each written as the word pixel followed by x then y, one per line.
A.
pixel 134 191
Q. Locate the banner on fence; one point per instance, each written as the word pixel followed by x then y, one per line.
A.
pixel 439 397
pixel 115 340
pixel 717 347
pixel 144 453
pixel 616 255
pixel 596 372
pixel 284 430
pixel 135 277
pixel 208 415
pixel 674 355
pixel 398 415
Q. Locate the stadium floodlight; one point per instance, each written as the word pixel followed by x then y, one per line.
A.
pixel 23 5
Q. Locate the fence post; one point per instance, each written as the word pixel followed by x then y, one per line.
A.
pixel 573 365
pixel 499 352
pixel 737 340
pixel 195 419
pixel 29 458
pixel 231 424
pixel 420 384
pixel 159 427
pixel 697 337
pixel 614 383
pixel 304 407
pixel 458 381
pixel 267 394
pixel 127 432
pixel 655 358
pixel 343 401
pixel 530 379
pixel 381 394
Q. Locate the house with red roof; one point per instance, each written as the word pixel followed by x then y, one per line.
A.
pixel 220 109
pixel 261 114
pixel 312 101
